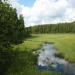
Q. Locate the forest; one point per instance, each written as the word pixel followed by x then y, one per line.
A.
pixel 12 31
pixel 53 28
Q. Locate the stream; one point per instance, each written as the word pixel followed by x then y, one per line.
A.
pixel 48 61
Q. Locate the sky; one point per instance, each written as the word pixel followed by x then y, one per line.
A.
pixel 28 3
pixel 45 11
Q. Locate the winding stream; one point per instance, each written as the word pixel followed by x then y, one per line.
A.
pixel 48 61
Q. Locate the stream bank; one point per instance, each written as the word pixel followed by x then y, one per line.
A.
pixel 47 60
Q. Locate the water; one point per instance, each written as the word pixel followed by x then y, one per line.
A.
pixel 48 61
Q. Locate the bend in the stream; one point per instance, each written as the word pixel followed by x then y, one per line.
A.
pixel 48 60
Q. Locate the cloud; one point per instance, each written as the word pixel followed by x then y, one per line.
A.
pixel 72 3
pixel 47 11
pixel 15 4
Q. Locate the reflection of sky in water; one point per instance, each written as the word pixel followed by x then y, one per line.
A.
pixel 46 56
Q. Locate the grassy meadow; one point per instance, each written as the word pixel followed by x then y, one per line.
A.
pixel 25 63
pixel 65 43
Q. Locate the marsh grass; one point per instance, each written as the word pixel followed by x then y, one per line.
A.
pixel 25 63
pixel 64 43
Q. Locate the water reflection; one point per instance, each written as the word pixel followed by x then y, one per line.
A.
pixel 48 61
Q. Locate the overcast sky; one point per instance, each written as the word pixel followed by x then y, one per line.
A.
pixel 45 11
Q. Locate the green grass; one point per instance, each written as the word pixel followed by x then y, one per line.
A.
pixel 25 62
pixel 65 43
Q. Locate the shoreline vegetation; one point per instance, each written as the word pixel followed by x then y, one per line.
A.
pixel 63 42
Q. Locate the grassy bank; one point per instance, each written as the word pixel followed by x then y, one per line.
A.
pixel 65 43
pixel 25 62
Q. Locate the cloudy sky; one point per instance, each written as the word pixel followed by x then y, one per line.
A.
pixel 45 11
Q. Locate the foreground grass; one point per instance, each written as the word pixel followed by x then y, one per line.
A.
pixel 25 62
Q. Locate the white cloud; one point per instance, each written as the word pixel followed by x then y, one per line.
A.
pixel 16 5
pixel 47 11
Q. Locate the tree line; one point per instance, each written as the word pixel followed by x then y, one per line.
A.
pixel 12 29
pixel 53 28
